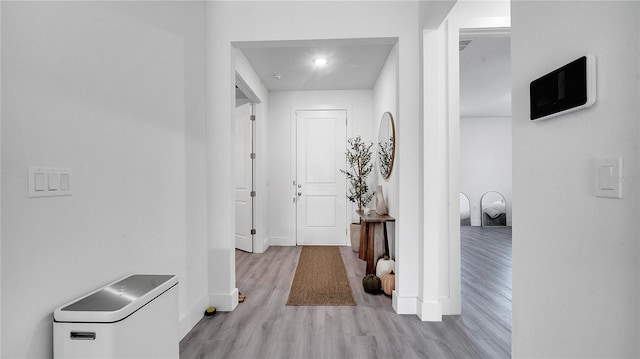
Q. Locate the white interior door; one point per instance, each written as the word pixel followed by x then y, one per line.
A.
pixel 243 178
pixel 320 187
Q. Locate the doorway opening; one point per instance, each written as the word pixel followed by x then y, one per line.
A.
pixel 442 293
pixel 485 182
pixel 485 124
pixel 295 85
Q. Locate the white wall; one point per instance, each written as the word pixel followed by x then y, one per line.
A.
pixel 280 137
pixel 291 21
pixel 575 256
pixel 385 99
pixel 433 12
pixel 115 92
pixel 0 182
pixel 485 161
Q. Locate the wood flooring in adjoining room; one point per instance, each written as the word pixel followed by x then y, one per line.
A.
pixel 264 327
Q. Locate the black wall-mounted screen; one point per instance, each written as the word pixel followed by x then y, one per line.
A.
pixel 559 90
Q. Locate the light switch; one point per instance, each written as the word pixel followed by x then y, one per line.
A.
pixel 49 182
pixel 52 179
pixel 64 181
pixel 609 177
pixel 605 177
pixel 40 181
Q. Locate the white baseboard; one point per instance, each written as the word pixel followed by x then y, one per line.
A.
pixel 403 305
pixel 429 311
pixel 449 306
pixel 192 316
pixel 224 302
pixel 260 246
pixel 281 241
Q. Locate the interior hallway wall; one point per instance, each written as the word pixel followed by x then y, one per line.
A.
pixel 114 91
pixel 280 137
pixel 385 99
pixel 575 256
pixel 0 182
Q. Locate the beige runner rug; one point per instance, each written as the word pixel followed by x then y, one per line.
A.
pixel 320 278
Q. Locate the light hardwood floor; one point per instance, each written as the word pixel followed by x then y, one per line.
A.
pixel 263 327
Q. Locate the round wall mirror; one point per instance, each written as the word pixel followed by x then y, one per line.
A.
pixel 386 145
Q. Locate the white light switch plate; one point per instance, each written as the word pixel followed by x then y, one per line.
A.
pixel 49 182
pixel 608 173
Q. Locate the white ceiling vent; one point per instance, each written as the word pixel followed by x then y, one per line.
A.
pixel 464 44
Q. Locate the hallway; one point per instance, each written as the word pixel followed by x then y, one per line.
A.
pixel 263 327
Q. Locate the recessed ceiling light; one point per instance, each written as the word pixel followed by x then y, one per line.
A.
pixel 277 76
pixel 320 61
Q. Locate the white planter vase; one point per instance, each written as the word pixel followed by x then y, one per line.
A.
pixel 355 236
pixel 381 204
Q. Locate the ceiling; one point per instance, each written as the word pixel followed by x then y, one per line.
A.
pixel 353 64
pixel 485 78
pixel 485 84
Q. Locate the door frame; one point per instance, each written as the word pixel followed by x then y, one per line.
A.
pixel 243 86
pixel 250 107
pixel 293 161
pixel 441 277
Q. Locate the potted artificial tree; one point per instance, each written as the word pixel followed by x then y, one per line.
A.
pixel 360 166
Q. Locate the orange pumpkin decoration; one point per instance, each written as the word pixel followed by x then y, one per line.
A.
pixel 388 283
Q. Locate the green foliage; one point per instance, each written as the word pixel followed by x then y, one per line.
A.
pixel 360 166
pixel 384 154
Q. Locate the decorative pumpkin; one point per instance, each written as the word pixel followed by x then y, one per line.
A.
pixel 388 283
pixel 385 265
pixel 371 284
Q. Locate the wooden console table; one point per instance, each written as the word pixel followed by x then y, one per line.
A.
pixel 367 237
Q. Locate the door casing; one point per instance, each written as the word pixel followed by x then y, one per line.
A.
pixel 244 178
